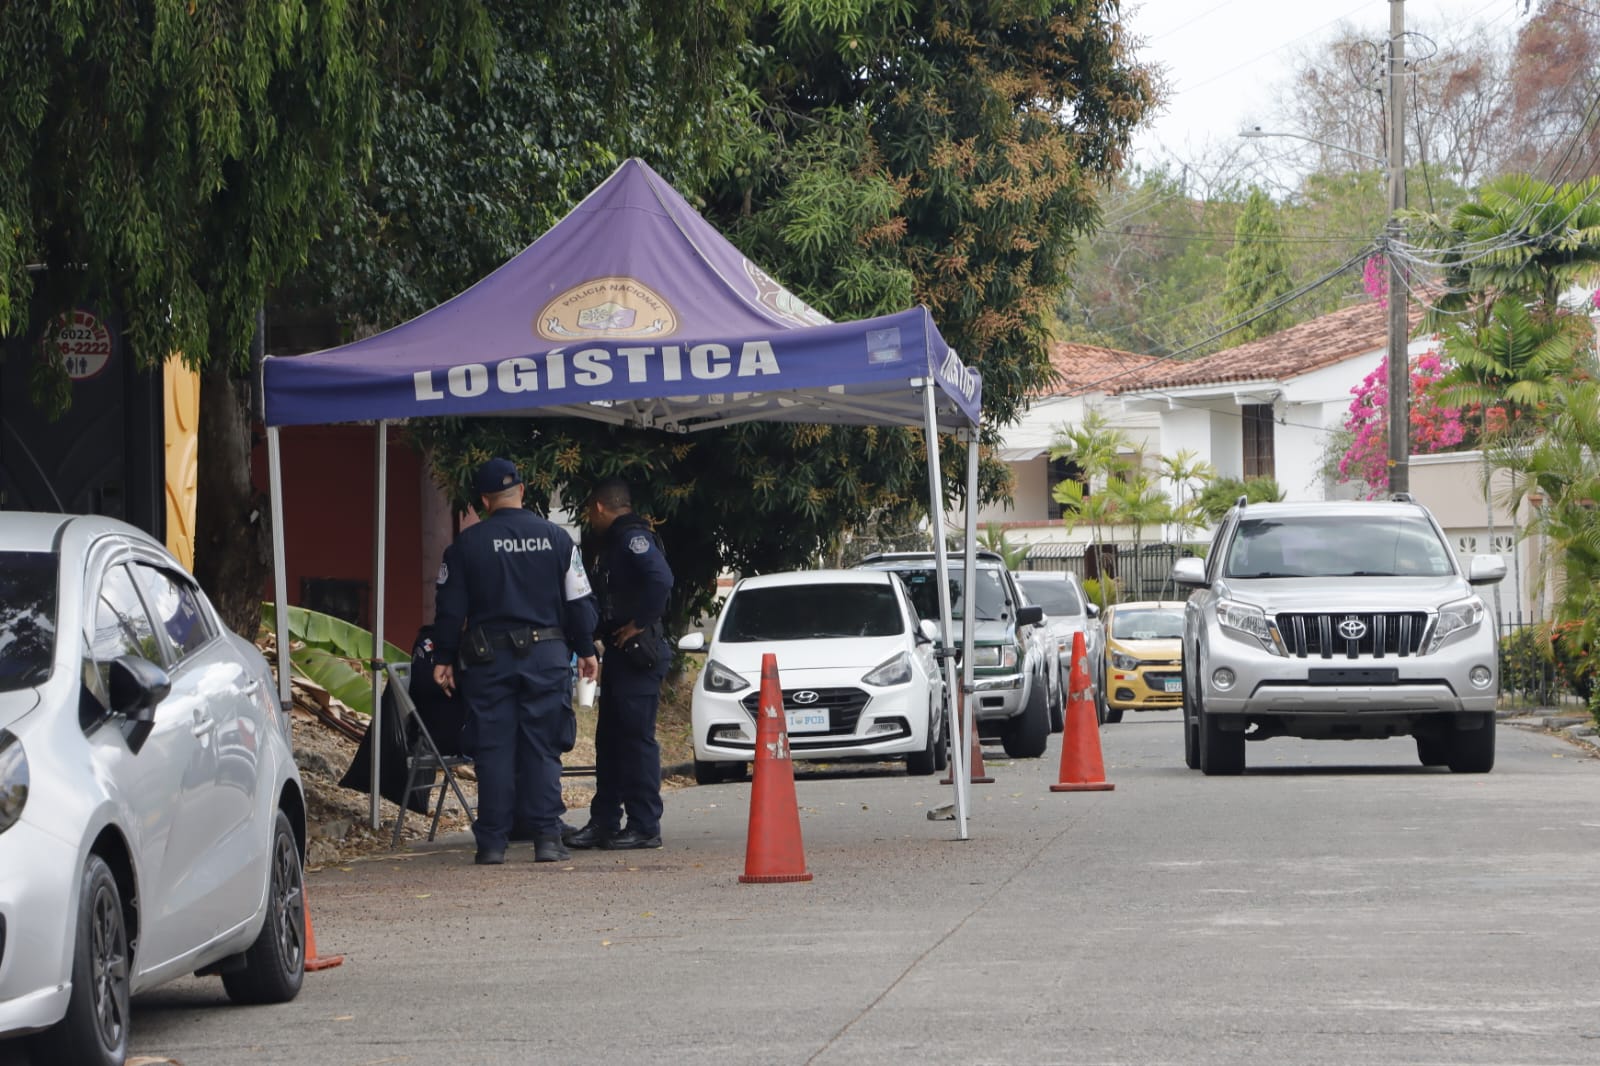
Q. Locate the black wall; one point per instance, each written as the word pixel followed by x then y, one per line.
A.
pixel 103 455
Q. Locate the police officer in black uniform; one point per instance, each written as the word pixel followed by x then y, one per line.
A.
pixel 634 581
pixel 514 604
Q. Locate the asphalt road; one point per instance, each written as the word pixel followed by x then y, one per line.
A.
pixel 1336 904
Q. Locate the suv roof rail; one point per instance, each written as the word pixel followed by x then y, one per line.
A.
pixel 1402 497
pixel 1241 501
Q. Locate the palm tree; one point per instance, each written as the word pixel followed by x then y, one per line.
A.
pixel 1097 449
pixel 1188 474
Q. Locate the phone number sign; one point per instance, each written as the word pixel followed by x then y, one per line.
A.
pixel 80 342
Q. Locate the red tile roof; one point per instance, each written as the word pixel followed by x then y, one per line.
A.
pixel 1289 353
pixel 1085 368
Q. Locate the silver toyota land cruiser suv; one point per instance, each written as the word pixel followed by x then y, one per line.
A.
pixel 1337 621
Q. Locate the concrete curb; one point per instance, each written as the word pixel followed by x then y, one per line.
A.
pixel 1576 728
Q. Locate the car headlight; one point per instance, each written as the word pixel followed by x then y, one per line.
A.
pixel 1455 617
pixel 718 678
pixel 995 655
pixel 1123 661
pixel 897 671
pixel 13 779
pixel 1247 619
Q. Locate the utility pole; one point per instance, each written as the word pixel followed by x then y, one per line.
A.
pixel 1398 365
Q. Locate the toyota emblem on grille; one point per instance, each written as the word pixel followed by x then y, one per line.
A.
pixel 1352 629
pixel 806 696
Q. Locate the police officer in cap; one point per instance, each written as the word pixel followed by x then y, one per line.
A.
pixel 514 604
pixel 634 581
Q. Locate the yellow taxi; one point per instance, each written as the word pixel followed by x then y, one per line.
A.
pixel 1144 657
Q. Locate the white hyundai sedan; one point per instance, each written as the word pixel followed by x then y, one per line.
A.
pixel 152 821
pixel 857 670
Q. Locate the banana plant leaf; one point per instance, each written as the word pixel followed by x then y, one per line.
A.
pixel 334 654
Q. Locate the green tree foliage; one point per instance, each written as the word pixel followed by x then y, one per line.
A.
pixel 1559 470
pixel 1257 277
pixel 470 170
pixel 172 161
pixel 1219 495
pixel 1506 257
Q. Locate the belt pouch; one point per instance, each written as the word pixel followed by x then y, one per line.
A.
pixel 521 638
pixel 479 649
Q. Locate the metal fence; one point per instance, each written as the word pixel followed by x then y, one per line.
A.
pixel 1141 571
pixel 1529 677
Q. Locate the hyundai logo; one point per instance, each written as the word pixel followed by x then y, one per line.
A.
pixel 805 696
pixel 1352 629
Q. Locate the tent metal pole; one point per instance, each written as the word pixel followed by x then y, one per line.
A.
pixel 280 575
pixel 958 742
pixel 380 498
pixel 969 581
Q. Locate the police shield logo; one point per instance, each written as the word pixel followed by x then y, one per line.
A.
pixel 612 307
pixel 444 573
pixel 639 544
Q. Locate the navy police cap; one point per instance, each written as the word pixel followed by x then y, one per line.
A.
pixel 496 475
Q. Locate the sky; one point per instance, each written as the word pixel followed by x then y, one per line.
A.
pixel 1226 58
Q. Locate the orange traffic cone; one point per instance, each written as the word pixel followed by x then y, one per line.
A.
pixel 773 853
pixel 1082 769
pixel 312 962
pixel 977 774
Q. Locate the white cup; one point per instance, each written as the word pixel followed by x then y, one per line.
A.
pixel 583 694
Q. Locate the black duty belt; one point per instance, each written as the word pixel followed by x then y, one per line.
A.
pixel 503 640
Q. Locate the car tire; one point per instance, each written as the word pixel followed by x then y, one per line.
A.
pixel 275 965
pixel 1191 738
pixel 924 762
pixel 1029 732
pixel 1221 751
pixel 1058 713
pixel 1113 714
pixel 717 773
pixel 1472 750
pixel 1433 750
pixel 95 1028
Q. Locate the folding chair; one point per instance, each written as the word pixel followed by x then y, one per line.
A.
pixel 423 758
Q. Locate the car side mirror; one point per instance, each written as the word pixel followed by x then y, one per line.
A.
pixel 1030 616
pixel 1094 610
pixel 695 641
pixel 927 632
pixel 1486 570
pixel 137 686
pixel 1191 572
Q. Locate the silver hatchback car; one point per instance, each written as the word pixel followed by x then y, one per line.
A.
pixel 152 822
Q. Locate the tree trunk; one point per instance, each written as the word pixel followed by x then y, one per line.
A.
pixel 232 555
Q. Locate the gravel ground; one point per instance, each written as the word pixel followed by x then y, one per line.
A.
pixel 338 818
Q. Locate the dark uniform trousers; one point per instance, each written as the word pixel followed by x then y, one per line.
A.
pixel 518 709
pixel 627 757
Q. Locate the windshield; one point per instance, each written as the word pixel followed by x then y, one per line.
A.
pixel 1338 545
pixel 810 612
pixel 1155 623
pixel 27 618
pixel 991 603
pixel 1056 597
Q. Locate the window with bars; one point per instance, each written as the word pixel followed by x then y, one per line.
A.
pixel 1258 461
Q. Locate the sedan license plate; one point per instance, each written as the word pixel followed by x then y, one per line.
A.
pixel 1174 684
pixel 811 720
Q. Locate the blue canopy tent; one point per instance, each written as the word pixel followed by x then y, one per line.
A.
pixel 633 310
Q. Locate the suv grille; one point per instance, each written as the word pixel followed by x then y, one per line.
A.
pixel 1352 633
pixel 843 704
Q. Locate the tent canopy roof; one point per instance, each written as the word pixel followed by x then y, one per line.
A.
pixel 632 310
